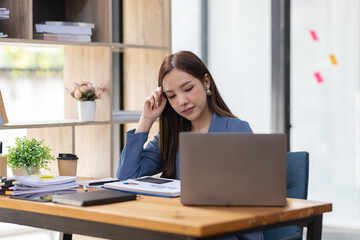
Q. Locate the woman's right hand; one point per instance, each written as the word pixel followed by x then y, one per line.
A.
pixel 154 105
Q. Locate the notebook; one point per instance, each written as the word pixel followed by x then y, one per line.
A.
pixel 233 169
pixel 148 185
pixel 93 198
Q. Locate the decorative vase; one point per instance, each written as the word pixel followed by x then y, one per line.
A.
pixel 21 171
pixel 86 110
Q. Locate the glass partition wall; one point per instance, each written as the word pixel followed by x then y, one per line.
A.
pixel 325 102
pixel 324 85
pixel 238 54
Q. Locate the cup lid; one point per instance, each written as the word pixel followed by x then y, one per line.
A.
pixel 67 156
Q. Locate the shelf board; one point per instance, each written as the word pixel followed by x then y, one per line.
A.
pixel 32 42
pixel 119 117
pixel 51 123
pixel 117 47
pixel 120 46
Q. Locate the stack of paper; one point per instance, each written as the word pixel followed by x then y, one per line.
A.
pixel 4 13
pixel 43 196
pixel 36 184
pixel 64 31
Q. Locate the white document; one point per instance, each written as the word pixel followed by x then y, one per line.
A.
pixel 51 188
pixel 39 184
pixel 40 181
pixel 155 186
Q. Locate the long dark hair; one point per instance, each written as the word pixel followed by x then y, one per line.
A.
pixel 171 123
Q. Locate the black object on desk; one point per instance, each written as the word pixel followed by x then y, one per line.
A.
pixel 94 198
pixel 102 182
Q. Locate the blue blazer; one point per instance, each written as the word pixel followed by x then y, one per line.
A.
pixel 137 161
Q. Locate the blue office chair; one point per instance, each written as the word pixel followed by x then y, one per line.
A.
pixel 297 187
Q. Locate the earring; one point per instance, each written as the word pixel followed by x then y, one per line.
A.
pixel 208 91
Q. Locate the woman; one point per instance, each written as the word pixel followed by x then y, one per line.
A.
pixel 187 99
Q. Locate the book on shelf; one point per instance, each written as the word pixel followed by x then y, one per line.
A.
pixel 4 13
pixel 62 37
pixel 93 198
pixel 62 29
pixel 61 23
pixel 2 35
pixel 147 185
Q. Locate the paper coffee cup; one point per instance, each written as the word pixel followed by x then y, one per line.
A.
pixel 3 166
pixel 67 164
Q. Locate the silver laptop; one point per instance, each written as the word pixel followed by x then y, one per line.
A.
pixel 233 169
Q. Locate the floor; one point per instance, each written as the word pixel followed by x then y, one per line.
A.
pixel 339 234
pixel 16 232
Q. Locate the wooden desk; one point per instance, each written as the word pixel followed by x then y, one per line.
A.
pixel 161 218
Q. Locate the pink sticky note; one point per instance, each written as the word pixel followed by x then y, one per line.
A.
pixel 318 77
pixel 313 35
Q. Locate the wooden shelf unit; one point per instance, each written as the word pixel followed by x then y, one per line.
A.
pixel 137 29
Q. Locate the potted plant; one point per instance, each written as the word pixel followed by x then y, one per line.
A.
pixel 86 94
pixel 28 156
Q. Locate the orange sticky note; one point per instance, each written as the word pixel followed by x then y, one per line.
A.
pixel 333 59
pixel 318 77
pixel 313 35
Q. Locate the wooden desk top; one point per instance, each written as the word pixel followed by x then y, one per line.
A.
pixel 169 215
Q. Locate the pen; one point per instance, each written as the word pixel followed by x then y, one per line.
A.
pixel 85 189
pixel 102 182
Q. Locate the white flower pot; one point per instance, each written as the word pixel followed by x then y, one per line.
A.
pixel 86 110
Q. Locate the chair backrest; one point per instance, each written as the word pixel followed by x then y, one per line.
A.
pixel 297 187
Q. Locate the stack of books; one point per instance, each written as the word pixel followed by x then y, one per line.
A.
pixel 64 31
pixel 35 184
pixel 4 14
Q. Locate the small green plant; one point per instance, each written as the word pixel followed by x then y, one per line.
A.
pixel 29 152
